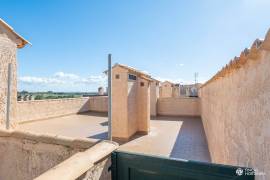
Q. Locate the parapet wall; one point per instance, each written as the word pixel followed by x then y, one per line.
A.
pixel 182 106
pixel 25 155
pixel 98 103
pixel 43 109
pixel 94 164
pixel 235 109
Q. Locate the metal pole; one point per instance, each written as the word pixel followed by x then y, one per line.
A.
pixel 8 96
pixel 109 96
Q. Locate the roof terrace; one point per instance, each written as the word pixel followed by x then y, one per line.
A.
pixel 176 137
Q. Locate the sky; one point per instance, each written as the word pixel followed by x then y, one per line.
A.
pixel 169 39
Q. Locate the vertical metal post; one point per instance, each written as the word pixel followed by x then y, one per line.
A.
pixel 109 96
pixel 8 96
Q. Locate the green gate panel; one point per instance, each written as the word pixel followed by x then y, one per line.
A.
pixel 133 166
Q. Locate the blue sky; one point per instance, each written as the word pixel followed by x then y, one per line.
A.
pixel 170 39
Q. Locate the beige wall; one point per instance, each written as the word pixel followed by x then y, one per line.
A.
pixel 143 106
pixel 183 106
pixel 8 50
pixel 154 95
pixel 130 104
pixel 132 107
pixel 176 92
pixel 43 109
pixel 92 163
pixel 98 103
pixel 24 156
pixel 119 103
pixel 236 111
pixel 166 89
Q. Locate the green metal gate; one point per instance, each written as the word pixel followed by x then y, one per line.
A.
pixel 131 166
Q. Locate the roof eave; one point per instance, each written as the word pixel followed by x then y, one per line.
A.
pixel 24 41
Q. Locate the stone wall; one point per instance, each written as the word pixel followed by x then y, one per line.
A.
pixel 182 106
pixel 100 171
pixel 25 156
pixel 92 163
pixel 98 103
pixel 236 110
pixel 43 109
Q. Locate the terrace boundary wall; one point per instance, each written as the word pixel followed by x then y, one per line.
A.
pixel 235 110
pixel 50 108
pixel 26 155
pixel 98 104
pixel 181 106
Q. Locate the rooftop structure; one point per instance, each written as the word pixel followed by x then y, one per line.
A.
pixel 15 37
pixel 9 42
pixel 166 89
pixel 130 102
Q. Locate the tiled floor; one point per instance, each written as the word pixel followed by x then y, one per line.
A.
pixel 93 125
pixel 176 137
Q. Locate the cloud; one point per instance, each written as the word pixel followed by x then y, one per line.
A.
pixel 63 75
pixel 39 80
pixel 182 81
pixel 61 79
pixel 177 80
pixel 146 72
pixel 181 65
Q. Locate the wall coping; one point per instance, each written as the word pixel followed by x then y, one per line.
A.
pixel 45 100
pixel 105 96
pixel 80 162
pixel 248 54
pixel 193 98
pixel 81 143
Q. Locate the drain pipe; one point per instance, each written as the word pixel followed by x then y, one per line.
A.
pixel 8 96
pixel 109 96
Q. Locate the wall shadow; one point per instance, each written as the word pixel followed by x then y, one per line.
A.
pixel 91 113
pixel 106 123
pixel 191 143
pixel 169 118
pixel 85 107
pixel 103 136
